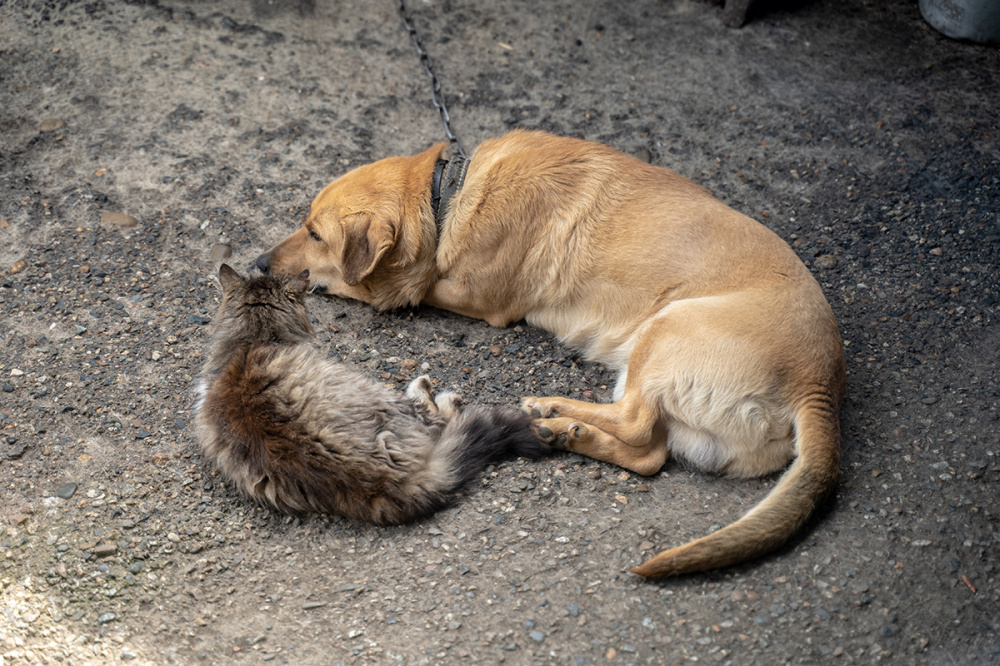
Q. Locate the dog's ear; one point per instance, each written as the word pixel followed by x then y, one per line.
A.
pixel 366 240
pixel 300 283
pixel 228 277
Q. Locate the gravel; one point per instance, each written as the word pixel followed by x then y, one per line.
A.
pixel 143 143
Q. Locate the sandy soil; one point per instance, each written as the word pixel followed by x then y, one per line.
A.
pixel 136 137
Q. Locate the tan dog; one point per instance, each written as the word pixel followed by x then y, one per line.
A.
pixel 728 353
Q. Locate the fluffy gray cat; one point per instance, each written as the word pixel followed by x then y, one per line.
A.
pixel 297 431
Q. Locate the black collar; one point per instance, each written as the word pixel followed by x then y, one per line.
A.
pixel 449 176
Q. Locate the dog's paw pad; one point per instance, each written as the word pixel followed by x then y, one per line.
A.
pixel 538 409
pixel 557 440
pixel 577 431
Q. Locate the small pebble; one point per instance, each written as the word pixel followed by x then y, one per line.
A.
pixel 121 220
pixel 536 636
pixel 66 490
pixel 51 124
pixel 826 262
pixel 220 253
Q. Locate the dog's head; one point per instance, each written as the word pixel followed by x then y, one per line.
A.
pixel 363 230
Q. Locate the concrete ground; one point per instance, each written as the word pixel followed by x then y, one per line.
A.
pixel 138 138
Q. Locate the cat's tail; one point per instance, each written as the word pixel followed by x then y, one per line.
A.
pixel 473 438
pixel 481 435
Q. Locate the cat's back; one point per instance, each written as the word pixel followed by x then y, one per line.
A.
pixel 296 388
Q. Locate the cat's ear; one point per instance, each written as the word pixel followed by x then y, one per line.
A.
pixel 300 283
pixel 228 277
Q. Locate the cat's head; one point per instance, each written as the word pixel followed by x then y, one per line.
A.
pixel 263 305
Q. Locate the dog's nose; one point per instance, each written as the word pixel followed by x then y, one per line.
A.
pixel 263 262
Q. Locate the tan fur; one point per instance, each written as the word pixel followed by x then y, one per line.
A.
pixel 728 353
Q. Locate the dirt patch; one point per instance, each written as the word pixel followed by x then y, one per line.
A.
pixel 136 137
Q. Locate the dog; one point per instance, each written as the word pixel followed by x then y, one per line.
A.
pixel 728 353
pixel 299 432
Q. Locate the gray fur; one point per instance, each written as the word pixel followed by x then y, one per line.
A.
pixel 301 433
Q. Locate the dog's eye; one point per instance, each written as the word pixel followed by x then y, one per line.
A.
pixel 315 236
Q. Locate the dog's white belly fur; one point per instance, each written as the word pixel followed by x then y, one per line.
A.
pixel 712 420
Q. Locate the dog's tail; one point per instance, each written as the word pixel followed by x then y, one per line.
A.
pixel 810 479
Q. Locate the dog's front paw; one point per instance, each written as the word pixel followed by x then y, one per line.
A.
pixel 561 434
pixel 540 408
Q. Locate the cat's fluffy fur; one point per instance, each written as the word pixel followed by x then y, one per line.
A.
pixel 301 433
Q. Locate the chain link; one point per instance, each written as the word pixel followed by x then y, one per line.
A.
pixel 437 97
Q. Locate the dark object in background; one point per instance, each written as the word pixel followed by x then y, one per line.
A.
pixel 736 12
pixel 974 20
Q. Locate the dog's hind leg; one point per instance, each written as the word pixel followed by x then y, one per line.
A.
pixel 627 433
pixel 591 441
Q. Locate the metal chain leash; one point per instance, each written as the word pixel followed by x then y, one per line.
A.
pixel 437 97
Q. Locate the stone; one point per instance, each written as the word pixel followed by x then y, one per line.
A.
pixel 66 490
pixel 105 550
pixel 121 220
pixel 220 253
pixel 13 450
pixel 826 262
